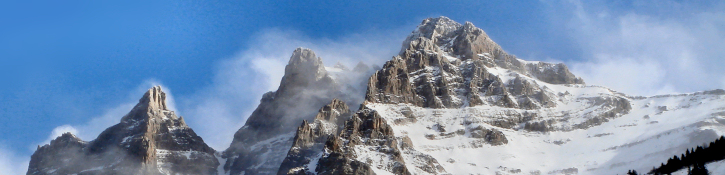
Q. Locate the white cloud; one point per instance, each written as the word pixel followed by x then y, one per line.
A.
pixel 57 131
pixel 91 129
pixel 219 110
pixel 645 52
pixel 11 163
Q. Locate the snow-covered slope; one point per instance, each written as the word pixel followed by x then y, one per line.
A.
pixel 451 102
pixel 641 139
pixel 713 168
pixel 458 104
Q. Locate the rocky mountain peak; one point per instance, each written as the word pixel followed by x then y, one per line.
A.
pixel 304 63
pixel 259 147
pixel 437 28
pixel 151 104
pixel 445 64
pixel 66 137
pixel 154 98
pixel 150 139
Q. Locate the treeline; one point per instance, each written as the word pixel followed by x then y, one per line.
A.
pixel 694 159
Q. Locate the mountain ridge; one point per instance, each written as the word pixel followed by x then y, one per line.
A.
pixel 451 102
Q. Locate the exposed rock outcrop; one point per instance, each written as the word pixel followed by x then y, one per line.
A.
pixel 150 139
pixel 367 131
pixel 261 145
pixel 310 138
pixel 305 87
pixel 444 64
pixel 492 136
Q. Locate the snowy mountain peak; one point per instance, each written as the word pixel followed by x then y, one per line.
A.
pixel 463 104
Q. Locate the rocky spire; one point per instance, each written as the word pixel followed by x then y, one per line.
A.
pixel 150 139
pixel 303 67
pixel 305 87
pixel 151 104
pixel 154 98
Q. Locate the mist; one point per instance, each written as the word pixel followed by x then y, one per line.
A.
pixel 652 48
pixel 219 110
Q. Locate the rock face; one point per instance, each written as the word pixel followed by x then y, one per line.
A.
pixel 451 102
pixel 451 88
pixel 365 131
pixel 261 145
pixel 444 64
pixel 310 138
pixel 150 139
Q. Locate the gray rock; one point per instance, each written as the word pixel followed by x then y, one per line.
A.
pixel 149 140
pixel 492 136
pixel 261 145
pixel 365 127
pixel 310 137
pixel 424 73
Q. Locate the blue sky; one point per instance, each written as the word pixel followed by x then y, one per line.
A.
pixel 80 65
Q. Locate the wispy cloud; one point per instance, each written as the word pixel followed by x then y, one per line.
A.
pixel 91 129
pixel 218 111
pixel 652 47
pixel 11 163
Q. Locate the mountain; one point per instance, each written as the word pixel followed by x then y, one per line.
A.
pixel 310 137
pixel 452 101
pixel 261 145
pixel 150 139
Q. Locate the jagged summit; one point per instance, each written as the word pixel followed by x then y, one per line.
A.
pixel 465 41
pixel 304 63
pixel 451 102
pixel 449 35
pixel 154 98
pixel 433 28
pixel 150 139
pixel 65 137
pixel 153 102
pixel 445 64
pixel 260 145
